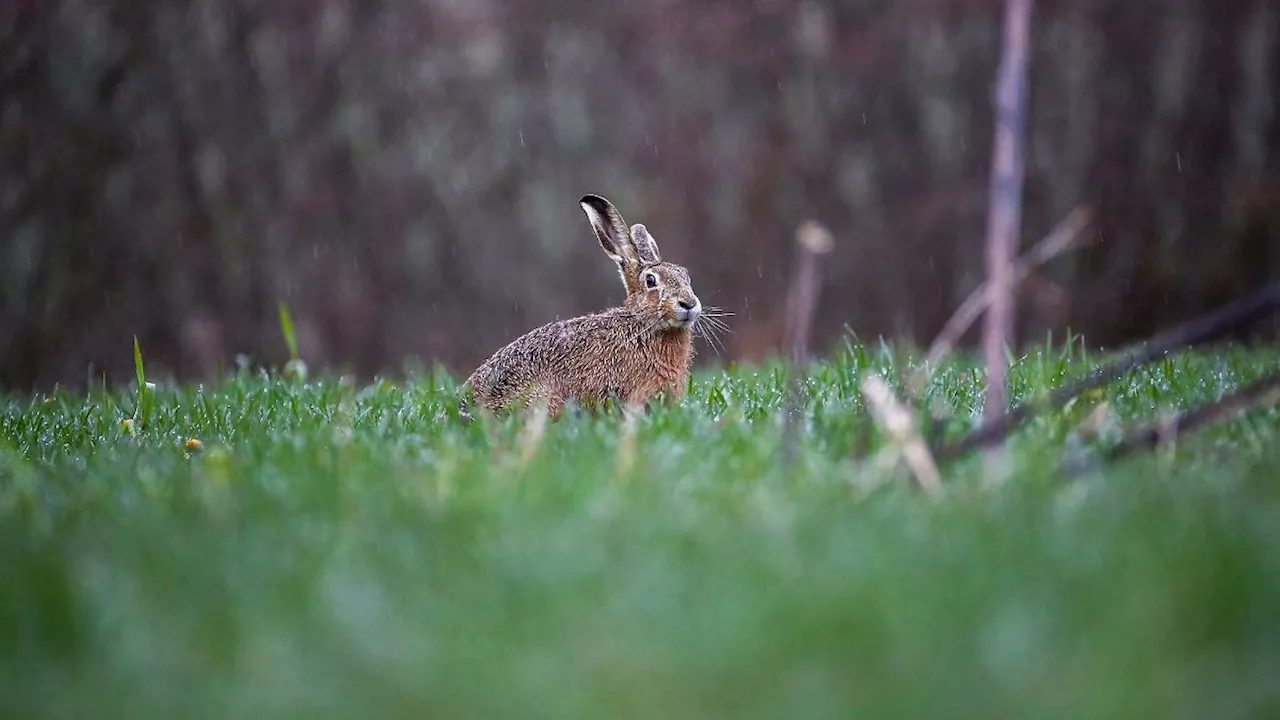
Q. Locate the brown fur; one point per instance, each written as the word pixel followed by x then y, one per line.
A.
pixel 631 354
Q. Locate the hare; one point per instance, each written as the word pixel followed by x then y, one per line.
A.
pixel 631 353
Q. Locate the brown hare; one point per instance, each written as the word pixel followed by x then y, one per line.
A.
pixel 629 354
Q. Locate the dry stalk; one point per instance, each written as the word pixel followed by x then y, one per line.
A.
pixel 897 421
pixel 1005 209
pixel 812 242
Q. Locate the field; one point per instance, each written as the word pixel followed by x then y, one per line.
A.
pixel 268 547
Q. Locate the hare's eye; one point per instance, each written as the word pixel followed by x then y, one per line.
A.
pixel 650 281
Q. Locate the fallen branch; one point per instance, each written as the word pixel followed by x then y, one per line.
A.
pixel 1207 328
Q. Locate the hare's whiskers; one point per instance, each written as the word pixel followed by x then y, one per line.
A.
pixel 708 330
pixel 704 332
pixel 716 323
pixel 713 311
pixel 714 341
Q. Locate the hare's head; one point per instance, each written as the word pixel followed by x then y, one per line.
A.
pixel 650 283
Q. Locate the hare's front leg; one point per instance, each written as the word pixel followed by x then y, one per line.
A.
pixel 545 400
pixel 637 399
pixel 555 406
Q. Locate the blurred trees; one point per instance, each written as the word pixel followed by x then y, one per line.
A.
pixel 404 173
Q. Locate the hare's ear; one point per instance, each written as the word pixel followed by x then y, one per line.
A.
pixel 646 246
pixel 614 238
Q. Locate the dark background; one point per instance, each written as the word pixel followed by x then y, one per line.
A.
pixel 404 173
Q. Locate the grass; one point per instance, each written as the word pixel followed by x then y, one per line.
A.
pixel 272 547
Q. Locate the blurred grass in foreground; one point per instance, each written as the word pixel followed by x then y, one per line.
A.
pixel 268 548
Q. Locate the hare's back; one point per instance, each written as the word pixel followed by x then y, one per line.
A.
pixel 549 355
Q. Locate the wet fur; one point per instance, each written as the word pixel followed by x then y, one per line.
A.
pixel 629 354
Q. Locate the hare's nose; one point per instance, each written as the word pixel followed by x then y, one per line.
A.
pixel 689 309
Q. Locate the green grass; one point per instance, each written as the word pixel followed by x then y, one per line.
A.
pixel 333 551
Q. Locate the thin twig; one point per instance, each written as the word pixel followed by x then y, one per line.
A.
pixel 1005 210
pixel 812 242
pixel 1065 236
pixel 1207 328
pixel 1262 393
